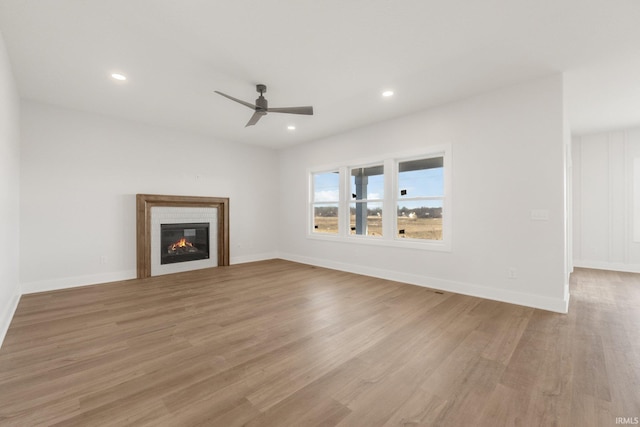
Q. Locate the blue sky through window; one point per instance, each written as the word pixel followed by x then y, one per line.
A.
pixel 326 187
pixel 422 183
pixel 417 183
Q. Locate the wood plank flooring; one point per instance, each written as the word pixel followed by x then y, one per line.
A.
pixel 276 343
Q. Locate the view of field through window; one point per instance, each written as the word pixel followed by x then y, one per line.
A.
pixel 419 202
pixel 367 193
pixel 326 198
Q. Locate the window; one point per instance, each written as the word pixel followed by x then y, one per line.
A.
pixel 325 202
pixel 420 198
pixel 403 201
pixel 367 194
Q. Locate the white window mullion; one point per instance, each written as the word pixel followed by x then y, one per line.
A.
pixel 344 201
pixel 388 209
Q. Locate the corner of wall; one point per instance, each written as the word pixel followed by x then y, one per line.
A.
pixel 253 258
pixel 10 190
pixel 6 315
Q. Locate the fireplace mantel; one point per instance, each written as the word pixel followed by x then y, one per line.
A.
pixel 144 203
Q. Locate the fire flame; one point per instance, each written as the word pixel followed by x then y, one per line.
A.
pixel 182 243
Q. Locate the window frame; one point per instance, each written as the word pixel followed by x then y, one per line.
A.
pixel 391 197
pixel 397 198
pixel 312 203
pixel 351 200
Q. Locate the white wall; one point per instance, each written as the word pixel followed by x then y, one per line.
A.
pixel 603 176
pixel 9 192
pixel 508 159
pixel 79 177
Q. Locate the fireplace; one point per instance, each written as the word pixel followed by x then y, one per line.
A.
pixel 180 233
pixel 184 242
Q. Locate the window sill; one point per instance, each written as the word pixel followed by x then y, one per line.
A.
pixel 428 245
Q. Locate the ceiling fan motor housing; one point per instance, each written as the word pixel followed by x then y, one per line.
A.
pixel 261 103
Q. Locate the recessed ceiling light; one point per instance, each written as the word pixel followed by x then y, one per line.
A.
pixel 387 93
pixel 119 76
pixel 291 127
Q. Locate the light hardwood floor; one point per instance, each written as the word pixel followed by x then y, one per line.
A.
pixel 276 343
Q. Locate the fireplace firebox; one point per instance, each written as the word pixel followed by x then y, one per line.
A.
pixel 184 242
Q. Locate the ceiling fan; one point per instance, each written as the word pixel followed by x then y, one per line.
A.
pixel 261 107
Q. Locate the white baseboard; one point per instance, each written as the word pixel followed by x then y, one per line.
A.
pixel 253 258
pixel 604 265
pixel 94 279
pixel 6 315
pixel 558 305
pixel 73 282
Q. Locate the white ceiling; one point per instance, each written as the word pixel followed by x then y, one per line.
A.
pixel 337 55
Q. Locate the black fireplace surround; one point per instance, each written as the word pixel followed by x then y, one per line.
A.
pixel 184 242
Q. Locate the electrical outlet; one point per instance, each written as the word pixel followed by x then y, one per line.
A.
pixel 540 215
pixel 512 273
pixel 103 259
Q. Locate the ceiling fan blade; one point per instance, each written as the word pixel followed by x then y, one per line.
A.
pixel 292 110
pixel 254 119
pixel 247 104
